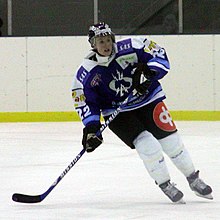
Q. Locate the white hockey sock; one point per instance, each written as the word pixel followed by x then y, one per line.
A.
pixel 150 152
pixel 174 148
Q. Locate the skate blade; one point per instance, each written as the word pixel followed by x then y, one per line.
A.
pixel 181 201
pixel 209 196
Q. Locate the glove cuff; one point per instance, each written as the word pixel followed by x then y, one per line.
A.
pixel 92 128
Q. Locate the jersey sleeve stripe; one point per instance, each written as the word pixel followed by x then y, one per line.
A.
pixel 91 118
pixel 159 65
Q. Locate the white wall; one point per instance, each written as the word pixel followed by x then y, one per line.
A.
pixel 36 72
pixel 193 82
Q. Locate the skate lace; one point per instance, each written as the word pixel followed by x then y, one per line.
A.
pixel 198 184
pixel 171 190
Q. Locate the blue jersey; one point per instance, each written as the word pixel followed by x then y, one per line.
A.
pixel 101 84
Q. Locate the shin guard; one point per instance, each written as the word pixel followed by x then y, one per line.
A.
pixel 150 152
pixel 174 148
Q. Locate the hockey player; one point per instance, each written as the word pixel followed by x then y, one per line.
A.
pixel 110 73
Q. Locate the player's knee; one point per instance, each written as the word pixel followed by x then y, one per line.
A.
pixel 147 146
pixel 172 145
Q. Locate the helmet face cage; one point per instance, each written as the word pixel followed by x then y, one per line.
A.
pixel 97 30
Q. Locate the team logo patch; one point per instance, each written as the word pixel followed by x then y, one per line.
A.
pixel 162 118
pixel 96 80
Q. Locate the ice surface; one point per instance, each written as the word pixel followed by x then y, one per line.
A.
pixel 110 183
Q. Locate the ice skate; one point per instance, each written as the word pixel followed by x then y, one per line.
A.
pixel 199 187
pixel 172 192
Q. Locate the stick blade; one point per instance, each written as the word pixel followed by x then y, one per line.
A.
pixel 17 197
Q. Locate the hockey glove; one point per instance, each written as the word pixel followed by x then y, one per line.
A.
pixel 90 141
pixel 142 78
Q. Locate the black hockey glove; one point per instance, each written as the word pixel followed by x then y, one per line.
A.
pixel 142 78
pixel 90 141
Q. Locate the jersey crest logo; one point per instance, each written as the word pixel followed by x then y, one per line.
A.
pixel 120 84
pixel 96 80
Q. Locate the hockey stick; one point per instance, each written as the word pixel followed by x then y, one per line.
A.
pixel 17 197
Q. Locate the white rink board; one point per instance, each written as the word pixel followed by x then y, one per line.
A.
pixel 52 62
pixel 189 84
pixel 13 74
pixel 216 67
pixel 37 72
